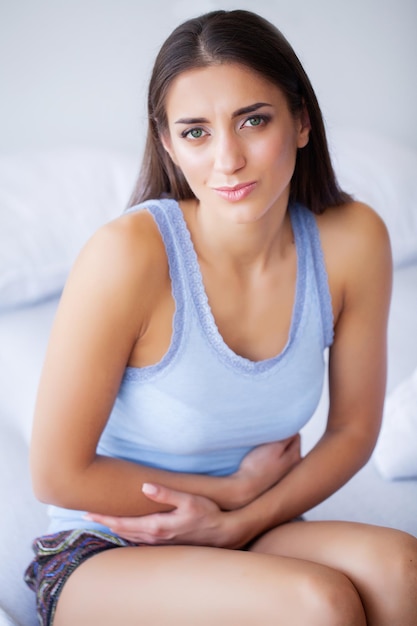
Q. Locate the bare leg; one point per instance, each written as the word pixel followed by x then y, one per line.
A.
pixel 381 563
pixel 193 586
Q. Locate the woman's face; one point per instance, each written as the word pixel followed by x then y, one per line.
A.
pixel 231 133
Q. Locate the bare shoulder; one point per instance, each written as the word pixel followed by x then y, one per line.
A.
pixel 353 234
pixel 353 224
pixel 357 251
pixel 127 249
pixel 129 238
pixel 118 276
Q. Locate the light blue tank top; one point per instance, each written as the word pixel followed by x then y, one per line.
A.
pixel 203 407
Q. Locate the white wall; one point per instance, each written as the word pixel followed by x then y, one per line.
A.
pixel 75 71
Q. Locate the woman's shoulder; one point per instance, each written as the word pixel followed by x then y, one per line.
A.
pixel 130 242
pixel 353 227
pixel 125 256
pixel 357 252
pixel 352 214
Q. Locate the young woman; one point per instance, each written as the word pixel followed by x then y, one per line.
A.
pixel 187 353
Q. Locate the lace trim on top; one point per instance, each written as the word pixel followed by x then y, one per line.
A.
pixel 322 281
pixel 201 303
pixel 168 215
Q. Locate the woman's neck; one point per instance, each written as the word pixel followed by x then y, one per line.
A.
pixel 244 247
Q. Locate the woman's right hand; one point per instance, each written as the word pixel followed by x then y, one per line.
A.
pixel 262 468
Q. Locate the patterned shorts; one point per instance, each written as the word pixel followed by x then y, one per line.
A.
pixel 56 557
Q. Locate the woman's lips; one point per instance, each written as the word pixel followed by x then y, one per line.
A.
pixel 234 194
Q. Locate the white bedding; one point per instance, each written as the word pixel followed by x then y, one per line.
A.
pixel 23 337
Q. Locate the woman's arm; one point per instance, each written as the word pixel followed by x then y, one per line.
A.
pixel 115 287
pixel 358 256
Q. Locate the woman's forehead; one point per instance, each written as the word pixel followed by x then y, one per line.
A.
pixel 229 83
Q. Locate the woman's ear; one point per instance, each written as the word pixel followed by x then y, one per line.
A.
pixel 304 127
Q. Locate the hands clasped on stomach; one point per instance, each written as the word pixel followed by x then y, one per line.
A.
pixel 198 520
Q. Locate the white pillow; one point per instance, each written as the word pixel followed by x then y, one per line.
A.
pixel 24 331
pixel 50 204
pixel 6 620
pixel 395 454
pixel 382 173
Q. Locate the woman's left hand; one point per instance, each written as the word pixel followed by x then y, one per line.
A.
pixel 194 520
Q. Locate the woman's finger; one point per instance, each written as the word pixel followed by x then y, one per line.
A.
pixel 165 495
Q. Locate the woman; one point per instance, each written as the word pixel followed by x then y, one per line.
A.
pixel 187 353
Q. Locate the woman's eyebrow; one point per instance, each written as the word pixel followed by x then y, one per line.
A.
pixel 242 111
pixel 251 108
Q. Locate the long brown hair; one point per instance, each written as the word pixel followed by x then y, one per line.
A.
pixel 247 39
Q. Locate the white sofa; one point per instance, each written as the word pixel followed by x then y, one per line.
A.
pixel 50 203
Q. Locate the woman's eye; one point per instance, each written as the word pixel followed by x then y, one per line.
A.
pixel 193 133
pixel 255 120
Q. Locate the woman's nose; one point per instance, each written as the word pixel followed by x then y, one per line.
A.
pixel 228 154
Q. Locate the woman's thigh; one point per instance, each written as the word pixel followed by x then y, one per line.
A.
pixel 381 562
pixel 193 586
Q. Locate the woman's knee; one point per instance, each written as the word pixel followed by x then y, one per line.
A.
pixel 387 578
pixel 334 601
pixel 401 566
